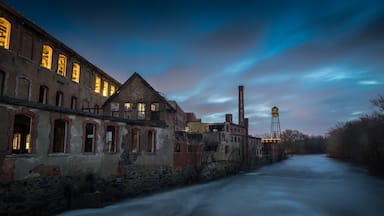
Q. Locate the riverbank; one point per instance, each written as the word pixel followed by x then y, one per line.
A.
pixel 55 194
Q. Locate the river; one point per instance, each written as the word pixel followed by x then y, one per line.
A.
pixel 300 185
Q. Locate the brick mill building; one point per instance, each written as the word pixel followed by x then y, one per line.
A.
pixel 62 115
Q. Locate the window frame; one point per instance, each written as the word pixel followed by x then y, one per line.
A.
pixel 49 56
pixel 8 29
pixel 75 76
pixel 62 66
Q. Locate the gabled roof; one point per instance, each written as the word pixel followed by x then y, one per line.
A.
pixel 145 83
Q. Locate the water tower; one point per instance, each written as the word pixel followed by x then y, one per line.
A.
pixel 275 123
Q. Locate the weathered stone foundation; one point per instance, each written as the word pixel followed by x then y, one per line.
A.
pixel 50 195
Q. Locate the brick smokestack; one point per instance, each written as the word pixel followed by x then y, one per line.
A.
pixel 241 105
pixel 228 118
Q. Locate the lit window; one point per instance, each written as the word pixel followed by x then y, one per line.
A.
pixel 97 84
pixel 76 73
pixel 155 114
pixel 5 32
pixel 105 88
pixel 62 65
pixel 21 142
pixel 128 107
pixel 46 57
pixel 141 111
pixel 112 91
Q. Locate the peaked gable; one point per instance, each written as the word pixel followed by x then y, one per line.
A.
pixel 136 88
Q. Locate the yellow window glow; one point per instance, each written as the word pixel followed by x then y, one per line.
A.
pixel 46 57
pixel 105 89
pixel 97 84
pixel 5 32
pixel 62 65
pixel 76 73
pixel 112 90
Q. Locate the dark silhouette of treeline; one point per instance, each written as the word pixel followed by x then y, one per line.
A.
pixel 362 140
pixel 298 143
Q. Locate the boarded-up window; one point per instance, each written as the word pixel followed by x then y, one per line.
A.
pixel 23 88
pixel 27 46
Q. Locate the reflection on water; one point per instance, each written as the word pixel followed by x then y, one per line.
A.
pixel 300 185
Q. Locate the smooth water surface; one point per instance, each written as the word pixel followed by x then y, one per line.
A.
pixel 300 185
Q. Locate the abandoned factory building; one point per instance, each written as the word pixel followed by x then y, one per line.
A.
pixel 62 115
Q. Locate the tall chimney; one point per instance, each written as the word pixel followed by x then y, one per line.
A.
pixel 241 105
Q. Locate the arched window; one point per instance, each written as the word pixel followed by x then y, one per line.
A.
pixel 5 32
pixel 23 88
pixel 62 65
pixel 46 57
pixel 21 142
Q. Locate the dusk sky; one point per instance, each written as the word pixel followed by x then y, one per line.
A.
pixel 320 62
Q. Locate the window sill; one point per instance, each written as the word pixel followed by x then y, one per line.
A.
pixel 25 155
pixel 58 154
pixel 110 153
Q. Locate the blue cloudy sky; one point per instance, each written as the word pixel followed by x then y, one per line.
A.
pixel 320 62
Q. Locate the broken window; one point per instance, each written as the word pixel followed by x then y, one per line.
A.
pixel 97 84
pixel 59 99
pixel 141 111
pixel 5 32
pixel 59 136
pixel 155 114
pixel 151 141
pixel 43 94
pixel 135 140
pixel 89 144
pixel 76 73
pixel 74 103
pixel 21 142
pixel 62 65
pixel 110 139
